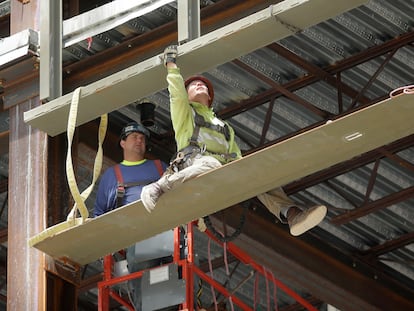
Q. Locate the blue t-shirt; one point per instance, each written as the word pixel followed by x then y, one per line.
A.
pixel 144 171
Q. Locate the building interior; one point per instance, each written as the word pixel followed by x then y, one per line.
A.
pixel 282 71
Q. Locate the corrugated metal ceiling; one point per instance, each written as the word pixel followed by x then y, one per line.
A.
pixel 323 46
pixel 327 46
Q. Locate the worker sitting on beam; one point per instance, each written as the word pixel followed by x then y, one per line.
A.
pixel 205 142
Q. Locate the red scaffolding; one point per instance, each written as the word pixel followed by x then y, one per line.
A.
pixel 189 270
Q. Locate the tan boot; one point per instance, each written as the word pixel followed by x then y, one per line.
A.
pixel 302 221
pixel 201 225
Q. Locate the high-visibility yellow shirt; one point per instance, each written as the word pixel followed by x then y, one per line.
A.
pixel 182 117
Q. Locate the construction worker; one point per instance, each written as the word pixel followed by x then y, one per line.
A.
pixel 122 184
pixel 135 171
pixel 205 142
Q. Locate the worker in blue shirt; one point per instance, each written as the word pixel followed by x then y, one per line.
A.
pixel 135 171
pixel 122 184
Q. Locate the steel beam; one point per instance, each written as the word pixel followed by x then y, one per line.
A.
pixel 5 8
pixel 336 280
pixel 234 40
pixel 19 45
pixel 150 43
pixel 188 20
pixel 106 17
pixel 18 65
pixel 26 212
pixel 51 55
pixel 26 279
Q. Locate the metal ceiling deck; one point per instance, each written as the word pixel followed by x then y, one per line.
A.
pixel 348 44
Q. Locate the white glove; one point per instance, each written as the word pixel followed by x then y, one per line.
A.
pixel 170 54
pixel 149 196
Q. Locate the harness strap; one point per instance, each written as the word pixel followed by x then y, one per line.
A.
pixel 201 122
pixel 196 132
pixel 191 151
pixel 158 165
pixel 120 191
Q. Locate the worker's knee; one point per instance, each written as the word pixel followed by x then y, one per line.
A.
pixel 208 162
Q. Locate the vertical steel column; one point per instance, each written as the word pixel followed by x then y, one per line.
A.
pixel 26 211
pixel 51 24
pixel 27 190
pixel 51 49
pixel 188 20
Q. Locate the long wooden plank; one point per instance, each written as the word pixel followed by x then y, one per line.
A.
pixel 232 41
pixel 277 165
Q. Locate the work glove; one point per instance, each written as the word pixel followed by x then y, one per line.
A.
pixel 170 54
pixel 201 225
pixel 150 195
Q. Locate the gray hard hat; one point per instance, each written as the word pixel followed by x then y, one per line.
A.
pixel 134 127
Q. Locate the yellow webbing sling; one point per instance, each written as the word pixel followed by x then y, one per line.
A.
pixel 77 196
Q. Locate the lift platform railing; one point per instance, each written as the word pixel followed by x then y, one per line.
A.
pixel 105 291
pixel 189 271
pixel 267 274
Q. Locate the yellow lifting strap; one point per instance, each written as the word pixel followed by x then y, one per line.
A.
pixel 77 196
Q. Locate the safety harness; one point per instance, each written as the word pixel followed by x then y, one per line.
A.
pixel 199 122
pixel 120 191
pixel 194 147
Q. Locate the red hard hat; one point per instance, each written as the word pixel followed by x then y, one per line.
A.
pixel 206 81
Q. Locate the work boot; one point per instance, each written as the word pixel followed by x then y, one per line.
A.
pixel 150 195
pixel 301 221
pixel 201 225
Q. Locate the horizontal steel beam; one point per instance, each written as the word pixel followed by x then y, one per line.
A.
pixel 18 45
pixel 5 8
pixel 106 17
pixel 19 62
pixel 321 271
pixel 229 42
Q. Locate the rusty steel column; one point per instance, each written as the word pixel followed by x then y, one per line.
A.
pixel 27 189
pixel 27 212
